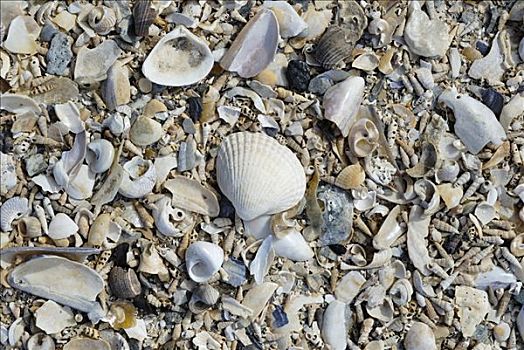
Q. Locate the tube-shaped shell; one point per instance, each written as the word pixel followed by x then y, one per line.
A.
pixel 134 184
pixel 259 175
pixel 363 137
pixel 255 47
pixel 12 209
pixel 99 156
pixel 30 227
pixel 203 260
pixel 342 102
pixel 180 58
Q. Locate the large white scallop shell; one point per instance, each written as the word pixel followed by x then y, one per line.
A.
pixel 180 58
pixel 258 175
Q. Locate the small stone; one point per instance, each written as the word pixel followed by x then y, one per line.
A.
pixel 188 126
pixel 194 108
pixel 298 76
pixel 493 100
pixel 48 32
pixel 483 47
pixel 145 85
pixel 35 164
pixel 319 85
pixel 280 317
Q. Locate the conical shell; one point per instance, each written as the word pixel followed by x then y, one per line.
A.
pixel 180 58
pixel 258 175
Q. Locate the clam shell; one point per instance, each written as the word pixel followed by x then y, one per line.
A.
pixel 145 131
pixel 258 175
pixel 87 344
pixel 66 282
pixel 124 283
pixel 12 209
pixel 334 324
pixel 420 337
pixel 180 58
pixel 203 260
pixel 190 195
pixel 254 47
pixel 143 17
pixel 99 156
pixel 342 102
pixel 139 178
pixel 62 226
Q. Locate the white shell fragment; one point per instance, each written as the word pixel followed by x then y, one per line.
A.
pixel 22 35
pixel 293 246
pixel 492 66
pixel 190 195
pixel 62 226
pixel 53 318
pixel 203 260
pixel 180 58
pixel 92 64
pixel 473 305
pixel 7 173
pixel 334 325
pixel 425 37
pixel 99 156
pixel 69 115
pixel 289 22
pixel 255 47
pixel 139 178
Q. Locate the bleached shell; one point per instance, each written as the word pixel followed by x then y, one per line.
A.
pixel 349 286
pixel 451 195
pixel 151 262
pixel 425 37
pixel 259 266
pixel 190 195
pixel 334 325
pixel 316 21
pixel 69 115
pixel 40 341
pixel 254 47
pixel 342 101
pixel 293 246
pixel 257 298
pixel 136 183
pixel 351 177
pixel 69 165
pixel 12 209
pixel 491 67
pixel 420 337
pixel 66 282
pixel 102 19
pixel 517 245
pixel 512 109
pixel 99 156
pixel 92 64
pixel 81 186
pixel 473 305
pixel 145 131
pixel 289 22
pixel 19 104
pixel 366 62
pixel 62 226
pixel 448 171
pixel 53 318
pixel 258 175
pixel 164 213
pixel 163 166
pixel 22 36
pixel 428 193
pixel 401 292
pixel 383 312
pixel 204 296
pixel 203 260
pixel 418 229
pixel 475 124
pixel 116 89
pixel 180 58
pixel 390 230
pixel 98 230
pixel 7 173
pixel 521 49
pixel 72 253
pixel 87 344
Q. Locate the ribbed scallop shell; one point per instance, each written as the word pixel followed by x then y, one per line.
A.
pixel 333 47
pixel 258 175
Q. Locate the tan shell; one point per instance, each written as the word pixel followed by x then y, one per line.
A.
pixel 87 344
pixel 351 177
pixel 99 229
pixel 190 195
pixel 145 131
pixel 29 227
pixel 363 137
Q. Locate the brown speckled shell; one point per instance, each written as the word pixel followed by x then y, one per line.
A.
pixel 124 283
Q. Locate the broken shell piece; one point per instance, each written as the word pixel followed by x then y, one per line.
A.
pixel 124 283
pixel 102 19
pixel 204 296
pixel 448 171
pixel 254 47
pixel 351 177
pixel 99 156
pixel 151 262
pixel 22 36
pixel 383 312
pixel 143 17
pixel 19 104
pixel 190 195
pixel 11 210
pixel 451 195
pixel 366 62
pixel 475 124
pixel 491 67
pixel 53 318
pixel 473 305
pixel 40 341
pixel 203 260
pixel 293 246
pixel 92 64
pixel 29 227
pixel 363 137
pixel 69 115
pixel 389 232
pixel 425 37
pixel 145 131
pixel 401 292
pixel 73 253
pixel 257 297
pixel 180 58
pixel 342 102
pixel 334 325
pixel 62 226
pixel 334 46
pixel 164 214
pixel 349 286
pixel 66 282
pixel 7 173
pixel 512 109
pixel 517 245
pixel 139 178
pixel 123 315
pixel 116 89
pixel 418 230
pixel 289 22
pixel 87 344
pixel 420 337
pixel 428 194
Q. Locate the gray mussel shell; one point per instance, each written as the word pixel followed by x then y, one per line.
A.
pixel 143 16
pixel 124 283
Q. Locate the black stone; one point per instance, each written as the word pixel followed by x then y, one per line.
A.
pixel 280 317
pixel 483 47
pixel 298 76
pixel 194 108
pixel 493 100
pixel 338 249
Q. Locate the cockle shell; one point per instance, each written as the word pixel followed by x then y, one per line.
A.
pixel 258 175
pixel 180 58
pixel 12 209
pixel 143 17
pixel 351 177
pixel 203 260
pixel 254 47
pixel 145 131
pixel 342 101
pixel 420 337
pixel 66 282
pixel 99 156
pixel 475 124
pixel 139 178
pixel 190 195
pixel 334 325
pixel 363 137
pixel 333 47
pixel 62 226
pixel 289 22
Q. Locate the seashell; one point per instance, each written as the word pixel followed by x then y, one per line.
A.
pixel 418 230
pixel 511 110
pixel 275 184
pixel 383 30
pixel 204 297
pixel 30 227
pixel 501 332
pixel 87 344
pixel 116 89
pixel 420 337
pixel 351 177
pixel 390 230
pixel 363 137
pixel 334 46
pixel 40 341
pixel 53 318
pixel 138 332
pixel 22 36
pixel 240 91
pixel 66 282
pixel 366 62
pixel 254 47
pixel 517 245
pixel 190 195
pixel 102 19
pixel 164 213
pixel 259 266
pixel 73 253
pixel 56 90
pixel 151 262
pixel 19 104
pixel 7 173
pixel 448 171
pixel 123 315
pixel 473 305
pixel 69 115
pixel 236 272
pixel 163 166
pixel 450 194
pixel 425 77
pixel 99 230
pixel 428 194
pixel 69 165
pixel 289 22
pixel 334 324
pixel 475 124
pixel 257 298
pixel 425 37
pixel 485 212
pixel 124 283
pixel 143 17
pixel 116 340
pixel 317 21
pixel 342 102
pixel 92 64
pixel 228 114
pixel 145 131
pixel 11 210
pixel 180 58
pixel 293 246
pixel 383 312
pixel 491 67
pixel 139 178
pixel 203 260
pixel 99 155
pixel 62 226
pixel 349 286
pixel 401 292
pixel 337 216
pixel 521 49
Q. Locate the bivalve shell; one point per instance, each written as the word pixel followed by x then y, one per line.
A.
pixel 11 210
pixel 145 131
pixel 190 195
pixel 351 177
pixel 62 226
pixel 87 344
pixel 203 260
pixel 420 337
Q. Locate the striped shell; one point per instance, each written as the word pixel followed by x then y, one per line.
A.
pixel 333 47
pixel 143 15
pixel 258 175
